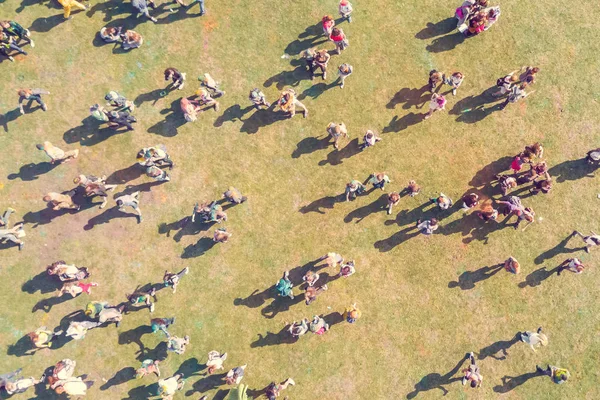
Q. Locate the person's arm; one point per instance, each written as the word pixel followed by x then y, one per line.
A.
pixel 21 99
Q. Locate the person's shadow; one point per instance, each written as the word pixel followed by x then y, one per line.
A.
pixel 233 113
pixel 174 119
pixel 89 132
pixel 445 43
pixel 571 170
pixel 42 282
pixel 397 125
pixel 309 145
pixel 262 118
pixel 31 171
pixel 210 382
pixel 198 249
pixel 396 239
pixel 472 109
pixel 153 96
pixel 468 279
pixel 316 90
pixel 560 248
pixel 255 299
pixel 411 97
pixel 488 173
pixel 362 212
pixel 45 24
pixel 47 304
pixel 125 175
pixel 537 277
pixel 511 382
pixel 108 215
pixel 274 339
pixel 442 27
pixel 184 227
pixel 500 346
pixel 437 381
pixel 9 116
pixel 311 37
pixel 122 376
pixel 337 157
pixel 135 336
pixel 291 78
pixel 326 202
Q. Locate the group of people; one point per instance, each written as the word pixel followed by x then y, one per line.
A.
pixel 476 16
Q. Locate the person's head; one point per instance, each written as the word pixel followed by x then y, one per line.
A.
pixel 39 146
pixel 337 129
pixel 169 73
pixel 458 75
pixel 186 339
pixel 47 198
pixel 343 2
pixel 336 32
pixel 59 390
pixel 4 24
pixel 492 13
pixel 327 18
pixel 33 336
pixel 473 384
pixel 533 71
pixel 369 134
pixel 379 176
pixel 10 386
pixel 523 86
pixel 191 116
pixel 119 203
pixel 433 221
pixel 482 3
pixel 353 314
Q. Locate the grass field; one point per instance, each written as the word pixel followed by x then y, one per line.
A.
pixel 415 323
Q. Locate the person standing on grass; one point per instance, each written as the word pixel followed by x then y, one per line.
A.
pixel 558 375
pixel 213 86
pixel 298 329
pixel 336 131
pixel 215 361
pixel 288 102
pixel 344 71
pixel 42 337
pixel 413 189
pixel 312 292
pixel 589 240
pixel 379 180
pixel 338 37
pixel 318 325
pixel 571 264
pixel 131 40
pixel 454 81
pixel 177 78
pixel 516 93
pixel 177 344
pixel 321 59
pixel 354 188
pixel 18 32
pixel 58 201
pixel 351 314
pixel 68 5
pixel 505 83
pixel 7 44
pixel 470 200
pixel 428 226
pixel 345 9
pixel 370 139
pixel 94 186
pixel 119 102
pixel 221 235
pixel 76 288
pixel 544 186
pixel 234 196
pixel 235 375
pixel 148 367
pixel 284 286
pixel 13 234
pixel 442 201
pixel 309 58
pixel 190 109
pixel 142 8
pixel 534 339
pixel 327 22
pixel 142 298
pixel 130 200
pixel 311 278
pixel 168 387
pixel 273 391
pixel 172 280
pixel 512 265
pixel 437 103
pixel 161 324
pixel 56 154
pixel 332 259
pixel 393 200
pixel 472 374
pixel 157 174
pixel 488 213
pixel 258 99
pixel 506 182
pixel 20 385
pixel 111 34
pixel 201 4
pixel 32 95
pixel 347 269
pixel 435 78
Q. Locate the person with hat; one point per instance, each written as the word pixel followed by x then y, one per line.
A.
pixel 351 314
pixel 320 61
pixel 344 71
pixel 56 154
pixel 437 103
pixel 354 188
pixel 119 102
pixel 258 99
pixel 345 9
pixel 177 78
pixel 288 102
pixel 336 131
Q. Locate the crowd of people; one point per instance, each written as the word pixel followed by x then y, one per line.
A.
pixel 527 167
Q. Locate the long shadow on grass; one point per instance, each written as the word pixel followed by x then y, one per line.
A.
pixel 397 125
pixel 312 36
pixel 291 78
pixel 316 90
pixel 468 279
pixel 410 97
pixel 158 353
pixel 233 113
pixel 274 339
pixel 500 346
pixel 47 304
pixel 511 382
pixel 319 204
pixel 538 276
pixel 407 219
pixel 432 30
pixel 262 118
pixel 8 117
pixel 31 171
pixel 173 120
pixel 309 145
pixel 203 385
pixel 437 381
pixel 190 367
pixel 362 212
pixel 142 392
pixel 336 157
pixel 110 9
pixel 488 173
pixel 42 282
pixel 89 132
pixel 203 245
pixel 108 215
pixel 572 170
pixel 184 227
pixel 122 376
pixel 45 24
pixel 445 43
pixel 46 215
pixel 560 248
pixel 472 109
pixel 135 336
pixel 125 175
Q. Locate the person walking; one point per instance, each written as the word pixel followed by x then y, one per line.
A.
pixel 472 373
pixel 558 375
pixel 589 240
pixel 30 95
pixel 56 154
pixel 534 339
pixel 130 200
pixel 344 71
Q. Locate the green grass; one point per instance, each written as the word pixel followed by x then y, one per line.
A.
pixel 413 324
